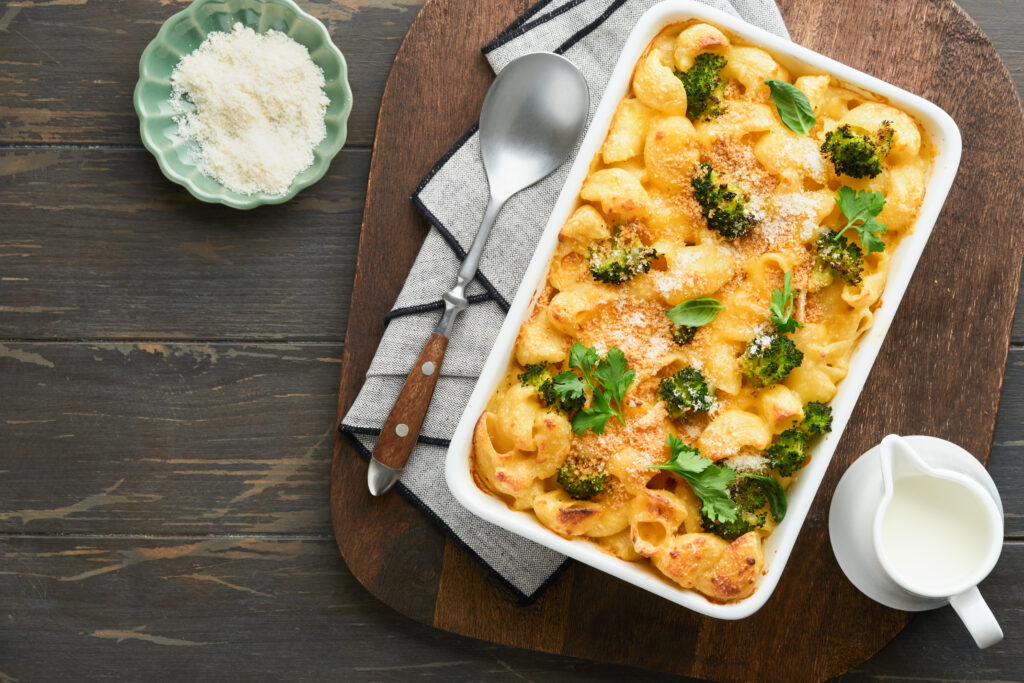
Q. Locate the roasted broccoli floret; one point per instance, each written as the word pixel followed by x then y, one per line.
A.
pixel 748 494
pixel 840 257
pixel 615 262
pixel 769 359
pixel 856 152
pixel 578 485
pixel 683 334
pixel 750 502
pixel 703 84
pixel 539 377
pixel 534 375
pixel 745 522
pixel 817 418
pixel 789 451
pixel 686 392
pixel 722 205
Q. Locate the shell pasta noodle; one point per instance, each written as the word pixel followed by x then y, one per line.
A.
pixel 726 254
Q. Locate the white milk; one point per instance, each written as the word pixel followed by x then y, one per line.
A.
pixel 935 532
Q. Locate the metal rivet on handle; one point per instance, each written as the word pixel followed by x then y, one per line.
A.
pixel 402 430
pixel 428 368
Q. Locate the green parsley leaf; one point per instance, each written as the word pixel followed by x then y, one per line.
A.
pixel 708 480
pixel 595 417
pixel 608 378
pixel 860 209
pixel 615 377
pixel 583 358
pixel 695 312
pixel 773 491
pixel 781 307
pixel 567 385
pixel 793 106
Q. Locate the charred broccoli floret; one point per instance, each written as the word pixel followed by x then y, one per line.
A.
pixel 769 359
pixel 745 522
pixel 840 257
pixel 789 451
pixel 703 84
pixel 683 334
pixel 615 262
pixel 856 152
pixel 722 205
pixel 817 418
pixel 748 494
pixel 538 376
pixel 751 514
pixel 686 392
pixel 578 485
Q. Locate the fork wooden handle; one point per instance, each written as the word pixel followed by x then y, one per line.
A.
pixel 403 424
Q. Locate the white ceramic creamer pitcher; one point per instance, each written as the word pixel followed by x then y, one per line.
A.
pixel 937 533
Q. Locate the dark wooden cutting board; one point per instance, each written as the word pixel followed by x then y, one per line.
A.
pixel 939 372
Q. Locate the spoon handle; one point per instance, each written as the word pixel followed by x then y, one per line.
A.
pixel 403 424
pixel 402 427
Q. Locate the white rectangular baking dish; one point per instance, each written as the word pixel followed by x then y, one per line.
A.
pixel 946 138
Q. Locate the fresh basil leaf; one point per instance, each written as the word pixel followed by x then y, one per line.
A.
pixel 774 492
pixel 793 106
pixel 695 312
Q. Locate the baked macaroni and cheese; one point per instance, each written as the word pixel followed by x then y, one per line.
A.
pixel 730 245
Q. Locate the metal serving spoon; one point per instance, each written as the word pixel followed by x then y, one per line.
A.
pixel 531 118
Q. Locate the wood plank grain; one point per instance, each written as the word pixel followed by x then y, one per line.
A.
pixel 164 438
pixel 937 322
pixel 170 438
pixel 1003 23
pixel 98 244
pixel 448 101
pixel 242 608
pixel 70 67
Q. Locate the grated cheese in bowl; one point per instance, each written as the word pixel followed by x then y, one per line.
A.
pixel 257 108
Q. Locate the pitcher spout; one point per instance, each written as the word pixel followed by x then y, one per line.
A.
pixel 898 459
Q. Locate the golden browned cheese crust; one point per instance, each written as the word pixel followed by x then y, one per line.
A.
pixel 640 188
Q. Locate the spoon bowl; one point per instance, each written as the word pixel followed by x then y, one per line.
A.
pixel 531 120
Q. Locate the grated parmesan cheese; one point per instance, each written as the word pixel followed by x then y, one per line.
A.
pixel 749 462
pixel 258 111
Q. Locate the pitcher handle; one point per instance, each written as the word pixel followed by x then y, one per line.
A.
pixel 977 617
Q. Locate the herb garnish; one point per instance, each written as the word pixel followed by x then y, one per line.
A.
pixel 695 312
pixel 711 483
pixel 781 307
pixel 793 106
pixel 863 206
pixel 708 480
pixel 773 491
pixel 608 379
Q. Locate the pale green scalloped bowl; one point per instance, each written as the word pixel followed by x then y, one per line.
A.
pixel 183 33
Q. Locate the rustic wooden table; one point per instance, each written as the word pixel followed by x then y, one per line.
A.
pixel 167 391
